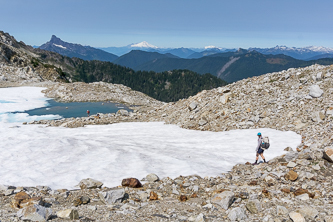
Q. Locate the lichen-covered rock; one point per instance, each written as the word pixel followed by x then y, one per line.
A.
pixel 69 214
pixel 34 213
pixel 328 154
pixel 296 217
pixel 254 206
pixel 308 211
pixel 112 196
pixel 315 91
pixel 152 178
pixel 237 214
pixel 193 106
pixel 90 184
pixel 224 199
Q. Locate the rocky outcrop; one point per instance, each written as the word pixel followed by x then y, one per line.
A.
pixel 99 91
pixel 90 184
pixel 20 65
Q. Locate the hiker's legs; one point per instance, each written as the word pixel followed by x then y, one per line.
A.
pixel 262 156
pixel 257 157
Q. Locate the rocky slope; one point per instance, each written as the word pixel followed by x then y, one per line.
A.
pixel 18 64
pixel 99 91
pixel 293 187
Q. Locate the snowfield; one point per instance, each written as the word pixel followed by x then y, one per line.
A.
pixel 60 157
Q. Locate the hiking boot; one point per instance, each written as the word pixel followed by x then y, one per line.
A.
pixel 254 163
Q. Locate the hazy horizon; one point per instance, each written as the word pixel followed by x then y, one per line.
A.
pixel 172 24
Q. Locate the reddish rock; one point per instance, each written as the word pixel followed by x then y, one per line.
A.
pixel 22 199
pixel 291 175
pixel 19 197
pixel 32 201
pixel 194 195
pixel 266 193
pixel 131 182
pixel 301 191
pixel 153 196
pixel 285 190
pixel 219 191
pixel 183 198
pixel 253 183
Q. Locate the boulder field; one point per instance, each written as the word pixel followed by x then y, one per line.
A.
pixel 294 187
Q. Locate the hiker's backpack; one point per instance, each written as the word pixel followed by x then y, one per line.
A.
pixel 265 143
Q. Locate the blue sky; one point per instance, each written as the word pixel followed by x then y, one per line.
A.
pixel 171 23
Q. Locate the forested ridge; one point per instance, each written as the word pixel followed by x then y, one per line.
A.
pixel 165 86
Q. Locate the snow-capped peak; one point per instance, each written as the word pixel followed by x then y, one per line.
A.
pixel 143 44
pixel 211 47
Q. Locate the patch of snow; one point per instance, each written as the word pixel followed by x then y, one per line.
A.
pixel 211 47
pixel 60 46
pixel 60 157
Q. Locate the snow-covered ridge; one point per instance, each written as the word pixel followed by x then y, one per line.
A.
pixel 308 48
pixel 143 44
pixel 60 46
pixel 212 47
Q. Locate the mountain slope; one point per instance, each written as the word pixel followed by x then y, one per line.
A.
pixel 19 64
pixel 181 52
pixel 231 66
pixel 322 56
pixel 208 52
pixel 138 57
pixel 77 50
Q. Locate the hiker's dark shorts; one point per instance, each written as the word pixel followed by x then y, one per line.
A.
pixel 260 151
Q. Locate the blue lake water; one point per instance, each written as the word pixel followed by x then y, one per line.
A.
pixel 76 109
pixel 3 101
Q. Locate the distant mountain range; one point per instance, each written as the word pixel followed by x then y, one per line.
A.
pixel 76 50
pixel 90 53
pixel 306 53
pixel 228 64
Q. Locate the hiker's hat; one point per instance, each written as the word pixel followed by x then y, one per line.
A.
pixel 259 134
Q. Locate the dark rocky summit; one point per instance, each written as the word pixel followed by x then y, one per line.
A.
pixel 76 50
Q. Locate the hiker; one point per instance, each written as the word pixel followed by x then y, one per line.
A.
pixel 259 150
pixel 88 112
